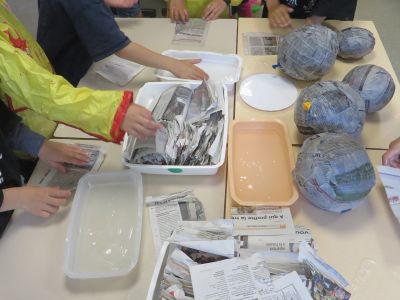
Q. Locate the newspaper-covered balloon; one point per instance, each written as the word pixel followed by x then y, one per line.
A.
pixel 355 42
pixel 374 83
pixel 308 52
pixel 329 106
pixel 333 171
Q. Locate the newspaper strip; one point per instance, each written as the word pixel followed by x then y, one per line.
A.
pixel 390 178
pixel 287 243
pixel 167 210
pixel 324 281
pixel 291 287
pixel 117 70
pixel 70 179
pixel 221 229
pixel 260 43
pixel 262 221
pixel 233 279
pixel 192 32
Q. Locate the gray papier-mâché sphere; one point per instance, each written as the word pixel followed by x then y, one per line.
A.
pixel 374 83
pixel 333 171
pixel 308 52
pixel 355 42
pixel 329 106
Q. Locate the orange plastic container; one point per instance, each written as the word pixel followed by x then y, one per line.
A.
pixel 260 164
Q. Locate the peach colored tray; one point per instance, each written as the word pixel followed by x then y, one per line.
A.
pixel 260 164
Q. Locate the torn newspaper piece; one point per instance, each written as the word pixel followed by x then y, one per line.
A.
pixel 167 210
pixel 260 43
pixel 192 32
pixel 324 281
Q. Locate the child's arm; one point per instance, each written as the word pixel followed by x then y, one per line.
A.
pixel 121 3
pixel 278 14
pixel 181 68
pixel 101 113
pixel 178 11
pixel 214 9
pixel 39 201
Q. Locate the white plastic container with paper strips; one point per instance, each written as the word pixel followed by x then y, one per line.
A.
pixel 148 96
pixel 105 225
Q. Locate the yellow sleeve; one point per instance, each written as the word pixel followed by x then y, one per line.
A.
pixel 28 85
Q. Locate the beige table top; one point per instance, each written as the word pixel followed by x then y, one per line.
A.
pixel 157 34
pixel 380 128
pixel 32 249
pixel 363 244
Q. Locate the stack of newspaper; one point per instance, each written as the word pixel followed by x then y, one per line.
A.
pixel 193 123
pixel 259 254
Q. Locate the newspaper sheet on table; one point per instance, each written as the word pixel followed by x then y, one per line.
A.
pixel 117 70
pixel 167 210
pixel 69 180
pixel 260 43
pixel 390 178
pixel 262 221
pixel 192 32
pixel 233 279
pixel 286 242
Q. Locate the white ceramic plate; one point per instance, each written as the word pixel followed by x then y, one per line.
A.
pixel 268 92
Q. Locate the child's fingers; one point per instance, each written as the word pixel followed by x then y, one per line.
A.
pixel 58 193
pixel 42 214
pixel 50 208
pixel 194 60
pixel 58 166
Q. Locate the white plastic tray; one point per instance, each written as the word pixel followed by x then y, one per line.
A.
pixel 105 225
pixel 147 96
pixel 222 68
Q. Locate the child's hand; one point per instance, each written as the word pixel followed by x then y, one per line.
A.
pixel 121 3
pixel 139 122
pixel 214 9
pixel 55 154
pixel 178 12
pixel 279 15
pixel 186 69
pixel 391 157
pixel 39 201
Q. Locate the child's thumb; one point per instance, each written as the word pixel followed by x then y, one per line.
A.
pixel 289 9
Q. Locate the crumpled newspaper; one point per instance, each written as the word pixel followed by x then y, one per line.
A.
pixel 193 123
